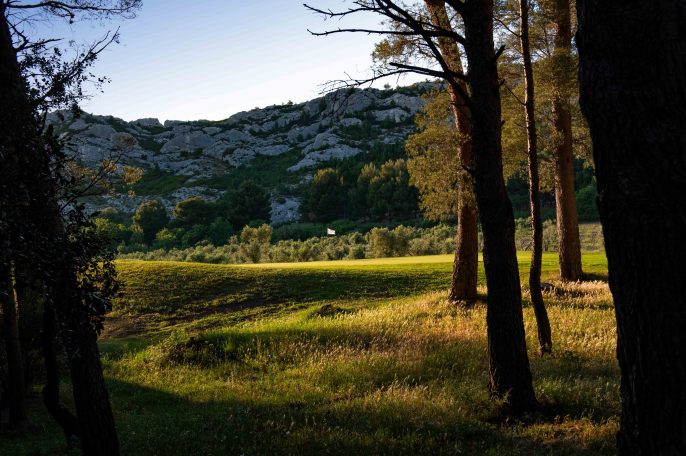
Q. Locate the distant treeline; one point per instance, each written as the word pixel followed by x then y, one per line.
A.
pixel 265 244
pixel 359 195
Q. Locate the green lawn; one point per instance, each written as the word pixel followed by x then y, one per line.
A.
pixel 349 357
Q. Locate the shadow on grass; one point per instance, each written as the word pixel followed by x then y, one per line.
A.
pixel 152 422
pixel 174 287
pixel 365 408
pixel 588 276
pixel 571 380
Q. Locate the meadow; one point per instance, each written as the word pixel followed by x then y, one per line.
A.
pixel 341 357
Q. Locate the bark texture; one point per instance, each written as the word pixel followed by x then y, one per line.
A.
pixel 15 368
pixel 633 93
pixel 465 267
pixel 509 372
pixel 545 342
pixel 569 246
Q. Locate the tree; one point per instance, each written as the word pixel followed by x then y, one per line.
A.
pixel 509 372
pixel 67 261
pixel 562 62
pixel 464 278
pixel 545 342
pixel 194 210
pixel 113 215
pixel 437 172
pixel 381 242
pixel 389 243
pixel 166 238
pixel 60 252
pixel 563 133
pixel 389 195
pixel 401 47
pixel 325 198
pixel 219 231
pixel 150 217
pixel 508 361
pixel 115 232
pixel 15 368
pixel 248 203
pixel 632 77
pixel 358 196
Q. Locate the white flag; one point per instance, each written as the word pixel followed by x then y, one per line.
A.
pixel 330 232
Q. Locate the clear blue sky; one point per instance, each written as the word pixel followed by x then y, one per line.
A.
pixel 211 58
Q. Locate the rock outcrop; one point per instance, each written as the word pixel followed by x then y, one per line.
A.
pixel 339 125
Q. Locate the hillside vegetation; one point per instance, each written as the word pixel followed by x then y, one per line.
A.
pixel 341 357
pixel 296 243
pixel 342 158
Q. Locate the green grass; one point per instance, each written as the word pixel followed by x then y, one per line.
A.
pixel 352 357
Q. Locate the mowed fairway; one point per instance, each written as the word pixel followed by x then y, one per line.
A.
pixel 346 357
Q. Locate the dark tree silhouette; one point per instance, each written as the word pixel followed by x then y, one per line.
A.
pixel 15 368
pixel 43 223
pixel 545 342
pixel 632 78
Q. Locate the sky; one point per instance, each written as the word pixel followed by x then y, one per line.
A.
pixel 208 59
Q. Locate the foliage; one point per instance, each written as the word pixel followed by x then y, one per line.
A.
pixel 150 217
pixel 254 242
pixel 325 197
pixel 433 161
pixel 380 192
pixel 390 243
pixel 389 194
pixel 194 211
pixel 586 203
pixel 248 203
pixel 116 233
pixel 379 242
pixel 113 215
pixel 219 231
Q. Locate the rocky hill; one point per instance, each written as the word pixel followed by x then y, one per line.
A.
pixel 278 146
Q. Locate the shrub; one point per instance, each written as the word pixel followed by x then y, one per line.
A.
pixel 255 242
pixel 381 242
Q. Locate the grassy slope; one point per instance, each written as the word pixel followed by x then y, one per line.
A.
pixel 341 358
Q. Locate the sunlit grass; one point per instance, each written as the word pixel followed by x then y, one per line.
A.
pixel 346 370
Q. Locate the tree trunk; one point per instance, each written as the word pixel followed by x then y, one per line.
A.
pixel 24 151
pixel 510 376
pixel 545 342
pixel 95 420
pixel 465 267
pixel 51 391
pixel 15 368
pixel 569 246
pixel 633 92
pixel 30 311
